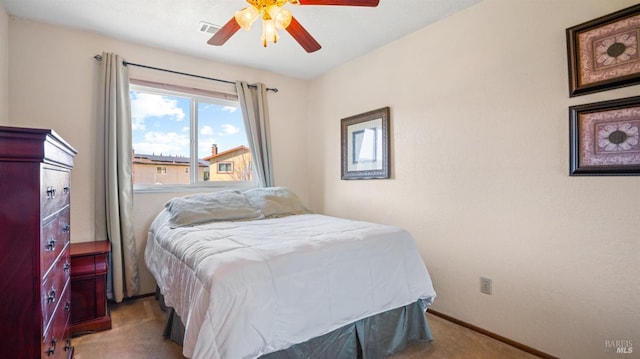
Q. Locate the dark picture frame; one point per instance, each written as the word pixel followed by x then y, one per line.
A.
pixel 365 145
pixel 604 138
pixel 604 53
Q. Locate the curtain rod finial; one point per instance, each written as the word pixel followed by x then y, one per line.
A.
pixel 98 57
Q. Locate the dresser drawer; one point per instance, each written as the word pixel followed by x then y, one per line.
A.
pixel 55 236
pixel 55 288
pixel 55 190
pixel 56 340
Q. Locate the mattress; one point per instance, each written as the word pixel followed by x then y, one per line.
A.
pixel 247 288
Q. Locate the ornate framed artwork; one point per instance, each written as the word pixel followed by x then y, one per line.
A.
pixel 603 53
pixel 605 138
pixel 365 145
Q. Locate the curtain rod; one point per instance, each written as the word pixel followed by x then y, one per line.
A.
pixel 126 63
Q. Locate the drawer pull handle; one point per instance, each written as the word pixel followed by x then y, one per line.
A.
pixel 67 306
pixel 66 267
pixel 51 297
pixel 66 189
pixel 67 345
pixel 52 349
pixel 51 244
pixel 66 228
pixel 51 192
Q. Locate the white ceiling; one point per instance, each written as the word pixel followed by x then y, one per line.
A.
pixel 344 32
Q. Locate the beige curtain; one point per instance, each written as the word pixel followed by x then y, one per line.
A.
pixel 253 101
pixel 114 186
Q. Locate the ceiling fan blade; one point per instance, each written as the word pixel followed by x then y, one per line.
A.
pixel 371 3
pixel 225 32
pixel 302 36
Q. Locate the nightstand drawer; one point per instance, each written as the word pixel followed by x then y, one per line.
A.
pixel 88 265
pixel 81 266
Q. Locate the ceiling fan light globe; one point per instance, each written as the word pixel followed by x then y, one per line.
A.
pixel 246 17
pixel 282 17
pixel 269 32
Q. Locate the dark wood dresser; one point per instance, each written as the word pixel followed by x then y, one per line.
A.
pixel 89 265
pixel 35 290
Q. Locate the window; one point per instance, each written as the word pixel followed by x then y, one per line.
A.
pixel 180 134
pixel 225 167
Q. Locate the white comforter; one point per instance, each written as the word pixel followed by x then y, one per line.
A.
pixel 248 288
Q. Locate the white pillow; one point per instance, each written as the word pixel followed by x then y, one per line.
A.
pixel 276 201
pixel 209 207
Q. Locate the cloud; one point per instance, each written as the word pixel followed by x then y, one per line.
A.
pixel 144 105
pixel 228 129
pixel 231 109
pixel 166 143
pixel 206 130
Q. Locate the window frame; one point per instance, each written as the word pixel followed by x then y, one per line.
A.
pixel 230 163
pixel 197 97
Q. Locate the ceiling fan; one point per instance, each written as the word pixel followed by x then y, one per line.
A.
pixel 274 17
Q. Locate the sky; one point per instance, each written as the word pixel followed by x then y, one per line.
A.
pixel 160 125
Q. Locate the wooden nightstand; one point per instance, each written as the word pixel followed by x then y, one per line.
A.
pixel 89 263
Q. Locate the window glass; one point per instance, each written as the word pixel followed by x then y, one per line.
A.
pixel 225 167
pixel 180 139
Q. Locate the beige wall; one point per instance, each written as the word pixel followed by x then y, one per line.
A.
pixel 4 66
pixel 479 128
pixel 54 83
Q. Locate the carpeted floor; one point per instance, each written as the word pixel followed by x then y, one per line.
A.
pixel 137 334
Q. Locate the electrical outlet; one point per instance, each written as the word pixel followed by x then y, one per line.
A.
pixel 485 285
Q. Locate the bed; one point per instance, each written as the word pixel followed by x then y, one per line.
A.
pixel 255 274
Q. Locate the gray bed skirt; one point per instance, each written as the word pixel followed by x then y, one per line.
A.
pixel 369 338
